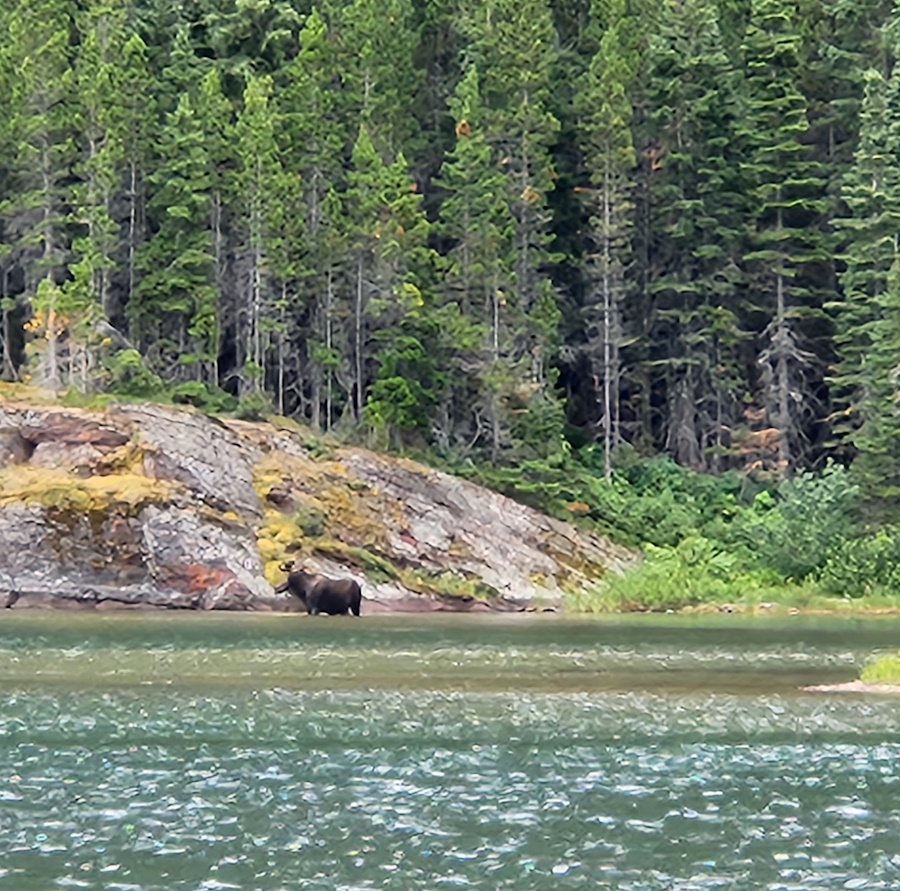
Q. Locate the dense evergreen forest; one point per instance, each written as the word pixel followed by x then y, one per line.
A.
pixel 500 230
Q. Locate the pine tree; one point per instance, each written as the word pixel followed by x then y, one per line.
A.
pixel 786 187
pixel 363 203
pixel 214 116
pixel 37 57
pixel 387 237
pixel 101 121
pixel 259 184
pixel 867 316
pixel 513 45
pixel 312 137
pixel 376 44
pixel 697 225
pixel 475 217
pixel 404 386
pixel 251 38
pixel 172 317
pixel 139 119
pixel 605 116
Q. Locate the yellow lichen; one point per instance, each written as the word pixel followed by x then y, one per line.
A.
pixel 56 488
pixel 276 538
pixel 268 549
pixel 273 572
pixel 24 393
pixel 325 501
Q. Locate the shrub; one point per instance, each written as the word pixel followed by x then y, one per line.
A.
pixel 669 578
pixel 196 393
pixel 884 670
pixel 793 529
pixel 253 407
pixel 857 567
pixel 130 377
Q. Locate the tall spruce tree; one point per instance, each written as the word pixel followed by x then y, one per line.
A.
pixel 214 116
pixel 386 234
pixel 313 136
pixel 406 379
pixel 605 117
pixel 476 218
pixel 41 109
pixel 867 316
pixel 172 313
pixel 785 185
pixel 514 47
pixel 259 188
pixel 697 226
pixel 139 109
pixel 101 119
pixel 375 52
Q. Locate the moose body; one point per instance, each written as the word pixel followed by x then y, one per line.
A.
pixel 337 597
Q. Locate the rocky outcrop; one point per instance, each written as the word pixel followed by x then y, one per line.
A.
pixel 156 506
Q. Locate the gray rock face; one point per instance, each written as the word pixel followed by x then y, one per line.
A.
pixel 125 550
pixel 447 522
pixel 199 452
pixel 150 506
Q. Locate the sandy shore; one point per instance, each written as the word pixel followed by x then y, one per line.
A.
pixel 853 687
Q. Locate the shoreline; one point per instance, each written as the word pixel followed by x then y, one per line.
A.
pixel 853 687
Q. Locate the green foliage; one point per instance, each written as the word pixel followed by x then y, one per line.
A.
pixel 129 376
pixel 861 566
pixel 792 528
pixel 310 519
pixel 884 670
pixel 198 394
pixel 253 406
pixel 670 578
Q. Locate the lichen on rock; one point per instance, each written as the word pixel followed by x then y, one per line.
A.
pixel 159 506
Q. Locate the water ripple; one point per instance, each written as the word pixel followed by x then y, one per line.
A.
pixel 465 756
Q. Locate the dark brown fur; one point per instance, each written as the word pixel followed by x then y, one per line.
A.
pixel 319 594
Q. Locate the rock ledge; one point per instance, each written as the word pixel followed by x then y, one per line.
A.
pixel 155 506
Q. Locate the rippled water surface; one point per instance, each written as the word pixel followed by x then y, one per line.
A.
pixel 144 752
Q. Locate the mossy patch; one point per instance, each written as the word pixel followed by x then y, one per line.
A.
pixel 17 392
pixel 323 501
pixel 57 489
pixel 448 584
pixel 379 568
pixel 884 670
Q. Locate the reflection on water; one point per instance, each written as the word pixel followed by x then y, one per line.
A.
pixel 204 752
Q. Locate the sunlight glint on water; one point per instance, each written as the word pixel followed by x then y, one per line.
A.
pixel 225 752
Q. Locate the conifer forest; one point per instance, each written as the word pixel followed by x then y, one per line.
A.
pixel 499 230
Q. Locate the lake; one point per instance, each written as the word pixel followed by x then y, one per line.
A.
pixel 154 751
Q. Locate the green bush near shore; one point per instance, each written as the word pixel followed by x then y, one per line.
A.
pixel 715 539
pixel 884 670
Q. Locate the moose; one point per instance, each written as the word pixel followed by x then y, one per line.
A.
pixel 336 597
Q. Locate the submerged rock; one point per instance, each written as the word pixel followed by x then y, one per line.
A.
pixel 162 507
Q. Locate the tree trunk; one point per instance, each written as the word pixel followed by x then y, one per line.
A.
pixel 607 329
pixel 132 233
pixel 329 387
pixel 220 284
pixel 783 382
pixel 52 333
pixel 357 337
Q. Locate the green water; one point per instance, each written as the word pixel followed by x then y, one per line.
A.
pixel 143 752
